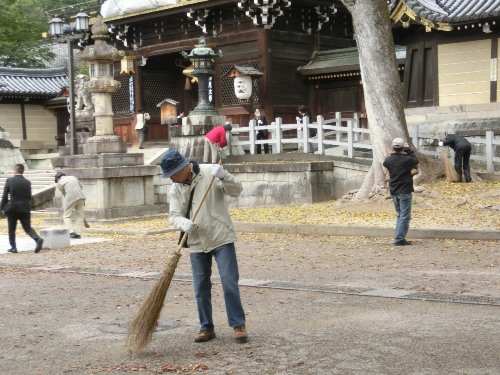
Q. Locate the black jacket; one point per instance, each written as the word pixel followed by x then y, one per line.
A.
pixel 264 123
pixel 19 190
pixel 456 142
pixel 399 166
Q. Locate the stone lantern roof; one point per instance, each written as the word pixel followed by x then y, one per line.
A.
pixel 202 50
pixel 101 51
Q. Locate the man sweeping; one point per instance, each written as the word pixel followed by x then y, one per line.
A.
pixel 210 236
pixel 462 148
pixel 73 201
pixel 215 139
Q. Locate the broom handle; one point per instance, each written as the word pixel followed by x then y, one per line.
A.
pixel 185 236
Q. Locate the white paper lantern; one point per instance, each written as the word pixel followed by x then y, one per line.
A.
pixel 243 87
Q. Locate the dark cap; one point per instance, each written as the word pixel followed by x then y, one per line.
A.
pixel 172 162
pixel 58 175
pixel 228 126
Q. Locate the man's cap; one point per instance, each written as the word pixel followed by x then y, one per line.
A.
pixel 228 126
pixel 172 162
pixel 58 175
pixel 398 143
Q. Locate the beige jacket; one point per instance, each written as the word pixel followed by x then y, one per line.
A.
pixel 213 226
pixel 71 189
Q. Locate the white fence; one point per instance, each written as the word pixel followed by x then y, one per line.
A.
pixel 340 131
pixel 347 133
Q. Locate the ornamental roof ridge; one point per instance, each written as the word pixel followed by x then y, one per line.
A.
pixel 33 72
pixel 454 11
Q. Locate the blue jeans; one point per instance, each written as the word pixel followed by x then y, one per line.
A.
pixel 402 203
pixel 201 264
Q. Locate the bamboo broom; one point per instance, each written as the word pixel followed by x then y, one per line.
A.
pixel 449 170
pixel 145 322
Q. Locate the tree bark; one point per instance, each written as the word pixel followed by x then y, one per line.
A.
pixel 382 87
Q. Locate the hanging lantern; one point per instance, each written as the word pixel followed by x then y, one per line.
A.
pixel 243 87
pixel 127 65
pixel 243 80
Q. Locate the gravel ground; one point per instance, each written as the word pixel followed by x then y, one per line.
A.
pixel 314 304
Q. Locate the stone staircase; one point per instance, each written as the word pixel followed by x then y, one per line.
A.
pixel 42 186
pixel 42 180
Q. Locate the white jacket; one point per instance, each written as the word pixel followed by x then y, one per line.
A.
pixel 141 120
pixel 213 226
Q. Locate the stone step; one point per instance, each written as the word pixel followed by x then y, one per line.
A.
pixel 40 179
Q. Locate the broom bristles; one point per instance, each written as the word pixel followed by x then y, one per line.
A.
pixel 144 323
pixel 449 170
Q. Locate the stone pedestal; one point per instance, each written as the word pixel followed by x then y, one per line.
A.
pixel 115 185
pixel 189 139
pixel 55 238
pixel 104 144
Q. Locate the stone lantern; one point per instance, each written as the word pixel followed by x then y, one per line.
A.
pixel 100 59
pixel 116 182
pixel 202 57
pixel 189 138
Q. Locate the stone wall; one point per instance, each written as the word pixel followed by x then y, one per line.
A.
pixel 470 116
pixel 10 154
pixel 302 179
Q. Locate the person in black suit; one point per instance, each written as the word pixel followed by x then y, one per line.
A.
pixel 18 189
pixel 261 134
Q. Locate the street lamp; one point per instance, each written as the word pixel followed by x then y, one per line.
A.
pixel 64 33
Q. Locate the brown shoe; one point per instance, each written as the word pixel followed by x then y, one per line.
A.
pixel 240 333
pixel 204 335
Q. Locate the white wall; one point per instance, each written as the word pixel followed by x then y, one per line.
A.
pixel 41 123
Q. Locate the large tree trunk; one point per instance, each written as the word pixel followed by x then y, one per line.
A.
pixel 382 87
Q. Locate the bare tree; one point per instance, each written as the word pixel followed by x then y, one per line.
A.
pixel 383 89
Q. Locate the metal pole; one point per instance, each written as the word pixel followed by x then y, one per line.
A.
pixel 73 141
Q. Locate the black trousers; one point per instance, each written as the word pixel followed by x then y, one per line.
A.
pixel 260 136
pixel 25 219
pixel 462 157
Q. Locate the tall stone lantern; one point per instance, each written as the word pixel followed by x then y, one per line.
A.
pixel 100 59
pixel 202 57
pixel 189 138
pixel 116 182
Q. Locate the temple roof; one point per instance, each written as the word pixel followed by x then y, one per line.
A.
pixel 339 60
pixel 452 11
pixel 36 83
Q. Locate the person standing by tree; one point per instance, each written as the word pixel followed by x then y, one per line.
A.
pixel 261 134
pixel 140 125
pixel 399 164
pixel 211 235
pixel 18 189
pixel 214 139
pixel 462 149
pixel 73 200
